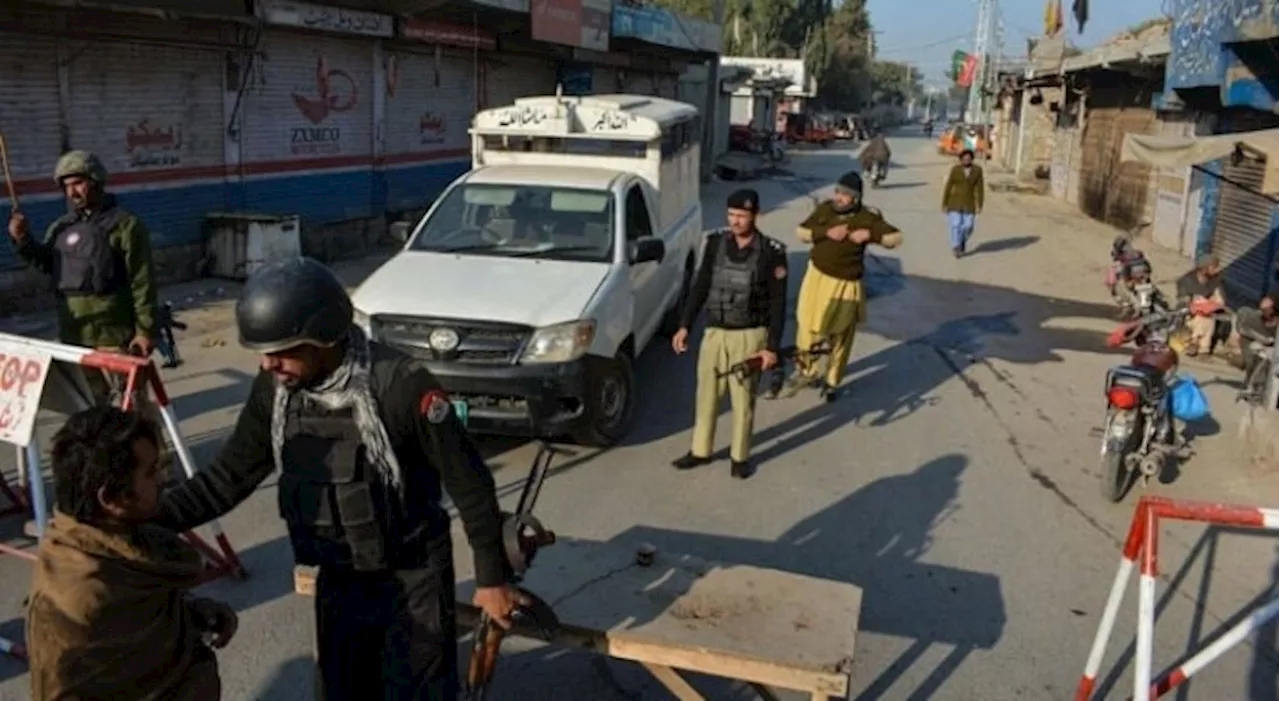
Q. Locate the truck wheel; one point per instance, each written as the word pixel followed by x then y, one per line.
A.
pixel 610 402
pixel 671 320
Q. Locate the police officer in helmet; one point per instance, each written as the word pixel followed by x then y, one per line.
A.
pixel 364 439
pixel 98 257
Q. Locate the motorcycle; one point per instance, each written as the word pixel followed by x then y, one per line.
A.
pixel 1129 268
pixel 1258 375
pixel 876 173
pixel 1139 434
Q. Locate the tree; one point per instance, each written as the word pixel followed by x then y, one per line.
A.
pixel 894 83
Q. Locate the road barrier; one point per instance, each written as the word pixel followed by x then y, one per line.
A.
pixel 1143 543
pixel 37 374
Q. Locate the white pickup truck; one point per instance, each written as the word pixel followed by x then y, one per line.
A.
pixel 536 279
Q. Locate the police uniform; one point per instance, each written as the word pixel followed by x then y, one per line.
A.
pixel 743 290
pixel 364 456
pixel 832 301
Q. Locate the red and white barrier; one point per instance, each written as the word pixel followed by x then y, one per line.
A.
pixel 1142 544
pixel 36 374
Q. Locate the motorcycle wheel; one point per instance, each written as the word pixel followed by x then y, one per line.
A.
pixel 1117 477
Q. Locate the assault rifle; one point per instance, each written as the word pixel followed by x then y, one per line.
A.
pixel 522 536
pixel 755 365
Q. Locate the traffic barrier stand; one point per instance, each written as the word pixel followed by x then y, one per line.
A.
pixel 1142 544
pixel 36 374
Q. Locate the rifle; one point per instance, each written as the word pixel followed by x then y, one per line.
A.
pixel 522 536
pixel 755 365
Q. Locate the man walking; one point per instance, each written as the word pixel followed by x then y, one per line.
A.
pixel 98 257
pixel 743 285
pixel 832 301
pixel 962 197
pixel 364 439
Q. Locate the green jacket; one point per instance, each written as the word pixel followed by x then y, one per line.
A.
pixel 963 194
pixel 106 321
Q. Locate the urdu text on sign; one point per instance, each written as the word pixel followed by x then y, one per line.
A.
pixel 330 19
pixel 23 372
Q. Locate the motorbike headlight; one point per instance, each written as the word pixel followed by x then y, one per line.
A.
pixel 561 343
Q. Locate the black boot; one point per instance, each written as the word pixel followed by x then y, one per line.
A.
pixel 688 461
pixel 828 393
pixel 741 469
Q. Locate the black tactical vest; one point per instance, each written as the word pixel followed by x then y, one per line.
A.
pixel 84 262
pixel 732 302
pixel 329 495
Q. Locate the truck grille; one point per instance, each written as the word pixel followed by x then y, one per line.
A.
pixel 479 343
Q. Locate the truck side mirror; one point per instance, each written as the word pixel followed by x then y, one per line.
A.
pixel 646 250
pixel 400 231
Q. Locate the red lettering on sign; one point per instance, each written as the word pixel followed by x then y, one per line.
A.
pixel 20 372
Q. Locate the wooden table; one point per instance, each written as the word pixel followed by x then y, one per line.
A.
pixel 764 627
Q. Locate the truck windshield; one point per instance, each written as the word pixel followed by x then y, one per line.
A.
pixel 521 221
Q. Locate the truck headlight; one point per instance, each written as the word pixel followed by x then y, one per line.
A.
pixel 361 319
pixel 561 343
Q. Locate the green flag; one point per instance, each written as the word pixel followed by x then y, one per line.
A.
pixel 957 63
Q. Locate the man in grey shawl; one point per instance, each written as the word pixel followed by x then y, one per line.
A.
pixel 365 440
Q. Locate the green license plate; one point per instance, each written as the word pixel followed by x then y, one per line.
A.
pixel 462 410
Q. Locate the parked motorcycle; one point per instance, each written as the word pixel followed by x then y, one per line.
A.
pixel 1258 374
pixel 1129 280
pixel 1139 434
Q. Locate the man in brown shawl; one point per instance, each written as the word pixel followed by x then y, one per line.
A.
pixel 109 614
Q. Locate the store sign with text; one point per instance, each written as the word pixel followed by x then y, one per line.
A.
pixel 303 15
pixel 446 34
pixel 153 145
pixel 578 23
pixel 658 26
pixel 334 92
pixel 510 5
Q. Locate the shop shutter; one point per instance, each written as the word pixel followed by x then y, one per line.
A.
pixel 1244 232
pixel 307 136
pixel 29 117
pixel 1112 191
pixel 639 83
pixel 604 80
pixel 153 114
pixel 511 76
pixel 428 111
pixel 667 85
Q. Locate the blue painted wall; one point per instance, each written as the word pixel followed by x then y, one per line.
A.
pixel 1201 55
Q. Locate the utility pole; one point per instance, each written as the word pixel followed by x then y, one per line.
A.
pixel 710 120
pixel 982 49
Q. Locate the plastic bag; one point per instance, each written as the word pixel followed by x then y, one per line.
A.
pixel 1187 401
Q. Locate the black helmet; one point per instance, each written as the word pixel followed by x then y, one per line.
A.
pixel 290 303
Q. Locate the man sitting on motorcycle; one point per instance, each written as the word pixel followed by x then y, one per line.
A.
pixel 875 155
pixel 1140 296
pixel 1255 330
pixel 1202 283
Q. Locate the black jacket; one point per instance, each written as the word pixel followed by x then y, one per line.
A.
pixel 429 455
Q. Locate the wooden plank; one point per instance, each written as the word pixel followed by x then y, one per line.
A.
pixel 675 683
pixel 745 623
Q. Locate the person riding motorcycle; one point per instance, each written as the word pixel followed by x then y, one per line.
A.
pixel 876 154
pixel 1125 260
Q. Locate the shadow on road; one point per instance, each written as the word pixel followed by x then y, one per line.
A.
pixel 14 631
pixel 874 538
pixel 292 681
pixel 1006 244
pixel 900 186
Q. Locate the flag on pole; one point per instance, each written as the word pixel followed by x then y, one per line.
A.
pixel 1080 10
pixel 1052 17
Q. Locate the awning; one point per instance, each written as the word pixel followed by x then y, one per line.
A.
pixel 1187 151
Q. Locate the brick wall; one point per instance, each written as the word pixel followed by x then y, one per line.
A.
pixel 1037 131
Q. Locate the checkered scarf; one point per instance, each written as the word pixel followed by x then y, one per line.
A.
pixel 347 387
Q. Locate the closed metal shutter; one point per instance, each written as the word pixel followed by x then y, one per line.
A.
pixel 510 76
pixel 667 85
pixel 307 138
pixel 1243 232
pixel 153 114
pixel 639 83
pixel 29 118
pixel 425 141
pixel 604 80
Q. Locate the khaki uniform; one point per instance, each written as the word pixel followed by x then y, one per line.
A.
pixel 722 349
pixel 832 301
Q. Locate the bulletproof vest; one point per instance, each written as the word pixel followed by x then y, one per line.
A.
pixel 85 263
pixel 329 494
pixel 731 302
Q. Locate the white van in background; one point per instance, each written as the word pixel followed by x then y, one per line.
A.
pixel 536 279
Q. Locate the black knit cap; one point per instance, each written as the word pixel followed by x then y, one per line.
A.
pixel 850 181
pixel 746 199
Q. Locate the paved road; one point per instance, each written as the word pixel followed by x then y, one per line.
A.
pixel 956 484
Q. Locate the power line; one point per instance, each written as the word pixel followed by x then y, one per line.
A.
pixel 930 45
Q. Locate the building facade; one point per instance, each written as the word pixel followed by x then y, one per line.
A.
pixel 346 117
